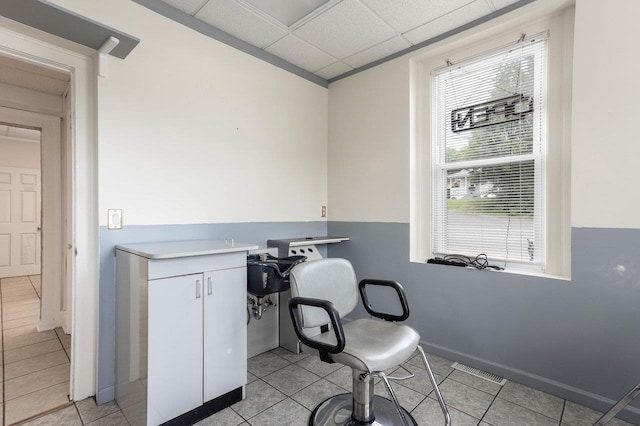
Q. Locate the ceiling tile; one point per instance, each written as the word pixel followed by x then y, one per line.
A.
pixel 187 6
pixel 240 22
pixel 378 51
pixel 455 19
pixel 288 12
pixel 333 70
pixel 345 29
pixel 406 15
pixel 300 53
pixel 499 4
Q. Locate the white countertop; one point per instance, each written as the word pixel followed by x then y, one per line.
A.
pixel 305 241
pixel 175 249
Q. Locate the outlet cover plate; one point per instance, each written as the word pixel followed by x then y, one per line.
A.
pixel 114 219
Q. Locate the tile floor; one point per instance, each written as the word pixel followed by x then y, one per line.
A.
pixel 282 387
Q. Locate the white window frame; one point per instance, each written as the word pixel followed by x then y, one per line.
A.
pixel 557 167
pixel 538 154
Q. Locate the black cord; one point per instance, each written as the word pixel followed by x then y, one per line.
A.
pixel 479 262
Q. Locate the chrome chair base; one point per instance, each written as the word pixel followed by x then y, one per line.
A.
pixel 337 411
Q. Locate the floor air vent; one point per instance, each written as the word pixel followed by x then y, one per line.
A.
pixel 479 373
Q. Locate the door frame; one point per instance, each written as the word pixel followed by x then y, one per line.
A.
pixel 27 44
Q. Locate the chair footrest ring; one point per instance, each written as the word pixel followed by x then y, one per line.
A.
pixel 336 411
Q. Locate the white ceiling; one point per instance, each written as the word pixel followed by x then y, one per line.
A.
pixel 340 35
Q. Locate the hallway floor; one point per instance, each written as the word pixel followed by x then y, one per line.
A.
pixel 35 373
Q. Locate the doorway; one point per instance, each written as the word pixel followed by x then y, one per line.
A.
pixel 34 281
pixel 34 47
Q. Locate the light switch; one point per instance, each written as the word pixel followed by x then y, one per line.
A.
pixel 114 219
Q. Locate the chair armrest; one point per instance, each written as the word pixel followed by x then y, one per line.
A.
pixel 330 309
pixel 382 315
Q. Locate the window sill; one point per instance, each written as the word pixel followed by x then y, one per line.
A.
pixel 534 274
pixel 511 270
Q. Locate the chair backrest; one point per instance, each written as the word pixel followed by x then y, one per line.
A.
pixel 329 279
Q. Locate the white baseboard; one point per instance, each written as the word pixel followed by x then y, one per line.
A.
pixel 47 325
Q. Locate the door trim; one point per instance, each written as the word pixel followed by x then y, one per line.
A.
pixel 25 43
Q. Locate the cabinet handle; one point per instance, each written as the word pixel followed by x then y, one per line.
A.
pixel 197 289
pixel 209 286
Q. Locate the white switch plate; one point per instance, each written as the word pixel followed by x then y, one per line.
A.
pixel 114 219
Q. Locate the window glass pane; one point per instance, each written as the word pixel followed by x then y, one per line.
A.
pixel 490 210
pixel 489 110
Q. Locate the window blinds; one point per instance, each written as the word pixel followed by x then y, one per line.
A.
pixel 489 155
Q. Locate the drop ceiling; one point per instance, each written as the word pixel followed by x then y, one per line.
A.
pixel 329 39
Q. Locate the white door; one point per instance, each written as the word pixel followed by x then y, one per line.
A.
pixel 20 217
pixel 174 370
pixel 225 331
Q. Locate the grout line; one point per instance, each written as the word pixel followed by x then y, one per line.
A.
pixel 78 411
pixel 4 360
pixel 62 344
pixel 34 371
pixel 39 390
pixel 534 411
pixel 34 287
pixel 488 408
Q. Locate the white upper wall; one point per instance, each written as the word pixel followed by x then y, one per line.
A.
pixel 194 131
pixel 371 120
pixel 369 130
pixel 606 107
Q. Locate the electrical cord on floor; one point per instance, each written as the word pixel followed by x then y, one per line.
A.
pixel 479 262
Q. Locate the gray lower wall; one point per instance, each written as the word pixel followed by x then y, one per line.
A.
pixel 576 339
pixel 254 233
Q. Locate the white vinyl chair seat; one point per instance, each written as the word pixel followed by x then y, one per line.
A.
pixel 373 345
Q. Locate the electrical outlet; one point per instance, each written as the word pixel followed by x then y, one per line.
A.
pixel 324 211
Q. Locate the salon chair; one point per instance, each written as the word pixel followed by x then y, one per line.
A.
pixel 323 292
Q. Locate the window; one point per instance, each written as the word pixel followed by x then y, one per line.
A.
pixel 490 145
pixel 489 155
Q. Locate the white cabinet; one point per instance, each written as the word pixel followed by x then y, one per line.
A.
pixel 181 330
pixel 175 347
pixel 225 333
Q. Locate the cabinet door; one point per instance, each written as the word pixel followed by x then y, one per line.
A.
pixel 225 331
pixel 175 347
